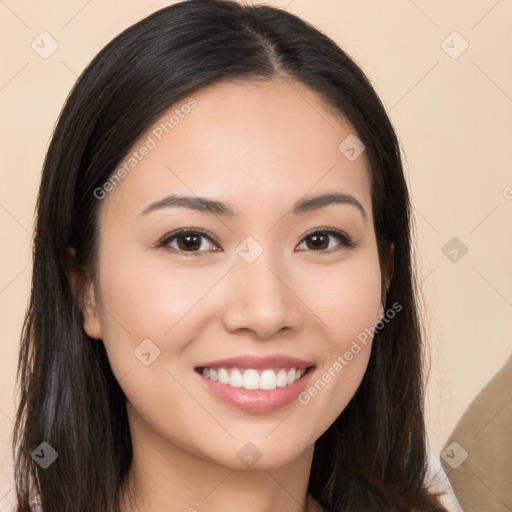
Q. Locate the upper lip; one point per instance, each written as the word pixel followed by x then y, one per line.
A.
pixel 276 361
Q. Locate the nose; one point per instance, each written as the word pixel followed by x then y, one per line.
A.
pixel 261 299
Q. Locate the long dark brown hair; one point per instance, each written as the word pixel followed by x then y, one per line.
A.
pixel 374 456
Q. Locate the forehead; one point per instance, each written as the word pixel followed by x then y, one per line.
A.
pixel 244 141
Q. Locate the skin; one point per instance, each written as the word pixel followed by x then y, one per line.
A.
pixel 260 147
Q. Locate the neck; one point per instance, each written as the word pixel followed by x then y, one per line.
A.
pixel 165 476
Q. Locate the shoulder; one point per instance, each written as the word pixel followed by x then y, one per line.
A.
pixel 438 483
pixel 313 505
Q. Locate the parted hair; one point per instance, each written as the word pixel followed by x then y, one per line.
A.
pixel 374 456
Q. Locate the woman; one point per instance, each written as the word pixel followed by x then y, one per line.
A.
pixel 223 311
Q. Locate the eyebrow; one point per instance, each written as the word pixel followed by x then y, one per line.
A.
pixel 205 205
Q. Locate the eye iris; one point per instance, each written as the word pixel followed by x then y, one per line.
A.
pixel 319 241
pixel 195 245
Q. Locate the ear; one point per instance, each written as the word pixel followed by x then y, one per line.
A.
pixel 83 290
pixel 390 266
pixel 388 271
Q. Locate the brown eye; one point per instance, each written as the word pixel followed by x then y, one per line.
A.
pixel 191 242
pixel 188 241
pixel 319 241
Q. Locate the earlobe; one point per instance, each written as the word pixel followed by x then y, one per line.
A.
pixel 92 325
pixel 84 293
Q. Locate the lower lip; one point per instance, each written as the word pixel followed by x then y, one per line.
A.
pixel 257 400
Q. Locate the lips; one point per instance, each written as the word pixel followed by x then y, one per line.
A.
pixel 256 384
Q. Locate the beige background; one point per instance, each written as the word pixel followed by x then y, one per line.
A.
pixel 453 116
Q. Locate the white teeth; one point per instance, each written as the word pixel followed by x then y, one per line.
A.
pixel 223 376
pixel 268 379
pixel 282 379
pixel 251 379
pixel 236 379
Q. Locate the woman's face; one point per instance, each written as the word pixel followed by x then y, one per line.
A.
pixel 271 279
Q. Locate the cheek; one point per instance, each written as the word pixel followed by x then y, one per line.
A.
pixel 147 298
pixel 144 300
pixel 347 298
pixel 349 304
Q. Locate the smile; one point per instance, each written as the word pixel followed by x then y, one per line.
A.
pixel 251 378
pixel 254 390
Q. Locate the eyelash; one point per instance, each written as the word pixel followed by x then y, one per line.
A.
pixel 345 240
